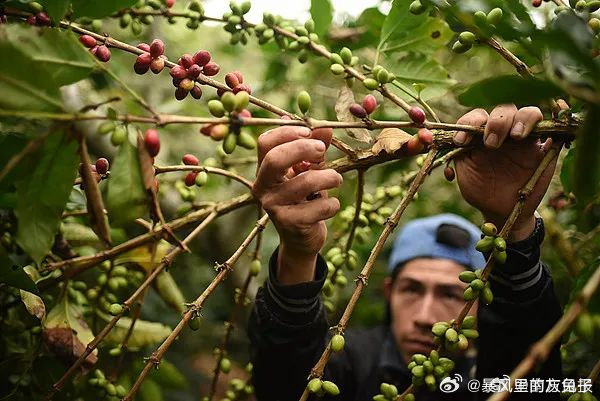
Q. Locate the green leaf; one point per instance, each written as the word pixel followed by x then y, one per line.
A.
pixel 167 375
pixel 43 194
pixel 566 171
pixel 144 333
pixel 432 35
pixel 58 52
pixel 151 391
pixel 508 89
pixel 56 8
pixel 586 171
pixel 33 303
pixel 10 146
pixel 418 68
pixel 399 23
pixel 24 84
pixel 15 276
pixel 321 11
pixel 126 199
pixel 99 8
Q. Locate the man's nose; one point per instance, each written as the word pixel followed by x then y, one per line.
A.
pixel 426 314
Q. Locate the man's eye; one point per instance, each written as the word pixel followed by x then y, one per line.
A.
pixel 453 295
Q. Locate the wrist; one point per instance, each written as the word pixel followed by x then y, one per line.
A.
pixel 295 266
pixel 521 229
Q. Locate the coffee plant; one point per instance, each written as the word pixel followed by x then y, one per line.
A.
pixel 104 204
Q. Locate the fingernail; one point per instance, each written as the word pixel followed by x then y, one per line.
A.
pixel 305 132
pixel 460 138
pixel 518 129
pixel 492 140
pixel 319 146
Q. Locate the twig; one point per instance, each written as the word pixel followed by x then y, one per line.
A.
pixel 209 170
pixel 361 281
pixel 167 260
pixel 194 308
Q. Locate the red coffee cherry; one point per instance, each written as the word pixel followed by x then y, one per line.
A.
pixel 31 20
pixel 196 92
pixel 170 3
pixel 414 146
pixel 219 132
pixel 536 3
pixel 245 113
pixel 425 136
pixel 205 129
pixel 101 166
pixel 180 93
pixel 94 50
pixel 369 103
pixel 42 19
pixel 449 173
pixel 103 54
pixel 152 141
pixel 190 178
pixel 417 115
pixel 178 72
pixel 201 58
pixel 141 69
pixel 357 110
pixel 157 65
pixel 185 61
pixel 190 160
pixel 157 48
pixel 242 87
pixel 232 80
pixel 211 69
pixel 176 82
pixel 144 46
pixel 194 71
pixel 88 41
pixel 144 59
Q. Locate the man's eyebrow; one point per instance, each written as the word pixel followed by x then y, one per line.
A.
pixel 452 287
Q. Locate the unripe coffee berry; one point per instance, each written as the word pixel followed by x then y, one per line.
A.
pixel 314 385
pixel 370 83
pixel 417 115
pixel 152 141
pixel 115 309
pixel 494 16
pixel 489 229
pixel 157 48
pixel 255 267
pixel 358 111
pixel 190 178
pixel 201 58
pixel 337 343
pixel 102 166
pixel 303 100
pixel 337 69
pixel 88 41
pixel 225 365
pixel 211 69
pixel 216 108
pixel 369 103
pixel 242 99
pixel 190 160
pixel 467 38
pixel 331 388
pixel 219 132
pixel 201 178
pixel 228 100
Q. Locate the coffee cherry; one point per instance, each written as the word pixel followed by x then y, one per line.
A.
pixel 185 61
pixel 369 103
pixel 414 146
pixel 500 244
pixel 467 276
pixel 416 7
pixel 178 72
pixel 451 335
pixel 489 229
pixel 500 256
pixel 225 365
pixel 229 143
pixel 330 388
pixel 152 141
pixel 470 294
pixel 594 24
pixel 202 58
pixel 194 324
pixel 232 80
pixel 157 48
pixel 485 244
pixel 494 16
pixel 194 71
pixel 196 92
pixel 303 100
pixel 487 296
pixel 337 343
pixel 370 83
pixel 417 115
pixel 228 100
pixel 190 160
pixel 593 6
pixel 144 46
pixel 43 19
pixel 215 107
pixel 115 309
pixel 242 99
pixel 186 84
pixel 103 54
pixel 477 284
pixel 460 48
pixel 467 38
pixel 102 166
pixel 358 111
pixel 119 136
pixel 219 132
pixel 246 140
pixel 314 385
pixel 211 69
pixel 88 41
pixel 449 173
pixel 425 136
pixel 181 94
pixel 242 88
pixel 157 65
pixel 190 178
pixel 337 69
pixel 144 60
pixel 106 127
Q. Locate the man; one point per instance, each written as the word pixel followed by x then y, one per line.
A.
pixel 288 327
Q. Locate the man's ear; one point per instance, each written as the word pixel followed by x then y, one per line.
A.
pixel 387 288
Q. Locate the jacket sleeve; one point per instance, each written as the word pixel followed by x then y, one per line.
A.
pixel 523 310
pixel 288 331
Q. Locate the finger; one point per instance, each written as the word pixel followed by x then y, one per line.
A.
pixel 562 104
pixel 305 184
pixel 277 161
pixel 476 118
pixel 498 125
pixel 307 213
pixel 524 122
pixel 278 136
pixel 323 134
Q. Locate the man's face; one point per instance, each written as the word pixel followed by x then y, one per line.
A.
pixel 424 292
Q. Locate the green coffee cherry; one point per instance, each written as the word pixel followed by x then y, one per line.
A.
pixel 411 365
pixel 489 229
pixel 419 358
pixel 328 288
pixel 485 244
pixel 242 99
pixel 337 343
pixel 470 333
pixel 229 143
pixel 255 267
pixel 447 364
pixel 469 322
pixel 500 256
pixel 225 365
pixel 246 140
pixel 228 100
pixel 439 329
pixel 434 357
pixel 581 5
pixel 451 335
pixel 379 397
pixel 115 351
pixel 106 128
pixel 428 366
pixel 594 24
pixel 467 38
pixel 470 294
pixel 314 385
pixel 418 371
pixel 337 69
pixel 346 55
pixel 336 59
pixel 215 107
pixel 370 83
pixel 460 48
pixel 304 102
pixel 388 390
pixel 330 388
pixel 194 323
pixel 416 7
pixel 477 284
pixel 487 296
pixel 500 244
pixel 409 397
pixel 430 382
pixel 494 16
pixel 383 76
pixel 584 327
pixel 593 6
pixel 115 309
pixel 467 276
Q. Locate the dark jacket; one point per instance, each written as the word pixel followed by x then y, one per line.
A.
pixel 288 331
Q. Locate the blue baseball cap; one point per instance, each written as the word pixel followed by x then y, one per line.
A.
pixel 444 236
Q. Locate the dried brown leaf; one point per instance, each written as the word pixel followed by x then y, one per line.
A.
pixel 342 110
pixel 391 140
